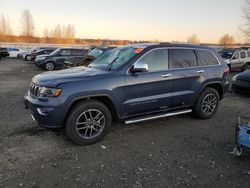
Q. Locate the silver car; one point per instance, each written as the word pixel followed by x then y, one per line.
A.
pixel 237 59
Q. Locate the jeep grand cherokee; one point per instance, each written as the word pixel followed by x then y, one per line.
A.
pixel 130 84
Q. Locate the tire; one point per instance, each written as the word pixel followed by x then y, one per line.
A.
pixel 207 104
pixel 28 57
pixel 88 122
pixel 245 67
pixel 49 66
pixel 237 151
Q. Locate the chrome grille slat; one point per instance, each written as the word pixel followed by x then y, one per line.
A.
pixel 34 90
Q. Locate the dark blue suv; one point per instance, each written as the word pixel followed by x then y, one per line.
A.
pixel 130 84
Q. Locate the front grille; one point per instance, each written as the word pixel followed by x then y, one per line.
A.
pixel 34 90
pixel 244 82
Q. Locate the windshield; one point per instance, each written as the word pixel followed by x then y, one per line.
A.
pixel 113 59
pixel 226 55
pixel 96 52
pixel 55 52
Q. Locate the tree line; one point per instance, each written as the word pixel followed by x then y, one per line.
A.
pixel 65 34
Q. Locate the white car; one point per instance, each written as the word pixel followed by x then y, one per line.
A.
pixel 13 52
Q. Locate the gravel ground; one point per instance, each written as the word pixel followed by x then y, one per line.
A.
pixel 172 152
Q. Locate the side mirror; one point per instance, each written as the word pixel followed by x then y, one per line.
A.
pixel 140 67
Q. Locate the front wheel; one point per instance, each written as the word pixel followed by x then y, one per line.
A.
pixel 49 66
pixel 88 122
pixel 207 104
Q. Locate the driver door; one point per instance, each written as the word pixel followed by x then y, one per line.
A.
pixel 235 61
pixel 148 92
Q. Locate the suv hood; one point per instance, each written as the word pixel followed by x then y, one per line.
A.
pixel 55 78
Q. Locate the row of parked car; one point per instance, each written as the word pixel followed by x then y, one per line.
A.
pixel 51 58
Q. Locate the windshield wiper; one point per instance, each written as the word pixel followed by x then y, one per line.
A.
pixel 110 64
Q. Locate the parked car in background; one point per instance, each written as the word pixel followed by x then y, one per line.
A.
pixel 241 82
pixel 87 59
pixel 130 84
pixel 14 52
pixel 236 58
pixel 42 52
pixel 56 59
pixel 4 52
pixel 27 55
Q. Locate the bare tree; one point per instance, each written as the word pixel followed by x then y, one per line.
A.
pixel 227 40
pixel 246 15
pixel 193 39
pixel 27 24
pixel 5 29
pixel 58 31
pixel 70 33
pixel 61 34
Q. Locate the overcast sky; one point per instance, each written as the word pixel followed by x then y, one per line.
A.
pixel 166 20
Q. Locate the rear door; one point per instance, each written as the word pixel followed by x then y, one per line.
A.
pixel 148 92
pixel 187 76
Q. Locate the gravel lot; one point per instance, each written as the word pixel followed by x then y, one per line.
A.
pixel 173 152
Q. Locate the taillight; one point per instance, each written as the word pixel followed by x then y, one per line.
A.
pixel 227 71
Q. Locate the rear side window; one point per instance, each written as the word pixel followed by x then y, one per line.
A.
pixel 248 53
pixel 77 52
pixel 243 55
pixel 65 52
pixel 207 58
pixel 157 60
pixel 183 58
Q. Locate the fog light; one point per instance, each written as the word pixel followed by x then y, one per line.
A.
pixel 43 111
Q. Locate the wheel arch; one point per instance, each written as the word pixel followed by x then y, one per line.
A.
pixel 105 99
pixel 215 85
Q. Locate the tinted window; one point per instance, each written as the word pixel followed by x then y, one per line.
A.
pixel 236 56
pixel 65 52
pixel 207 58
pixel 182 58
pixel 157 60
pixel 248 53
pixel 243 55
pixel 226 55
pixel 77 52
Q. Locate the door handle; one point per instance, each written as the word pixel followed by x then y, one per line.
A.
pixel 166 75
pixel 201 71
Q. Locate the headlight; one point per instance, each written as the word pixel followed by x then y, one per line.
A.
pixel 40 58
pixel 50 92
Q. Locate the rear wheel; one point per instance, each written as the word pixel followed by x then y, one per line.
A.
pixel 28 57
pixel 237 151
pixel 49 66
pixel 207 104
pixel 246 67
pixel 88 122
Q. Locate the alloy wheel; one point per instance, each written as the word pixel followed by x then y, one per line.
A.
pixel 49 66
pixel 209 104
pixel 90 124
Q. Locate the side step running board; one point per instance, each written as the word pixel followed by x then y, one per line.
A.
pixel 146 118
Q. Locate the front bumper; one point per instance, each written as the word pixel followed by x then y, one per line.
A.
pixel 39 63
pixel 47 115
pixel 241 87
